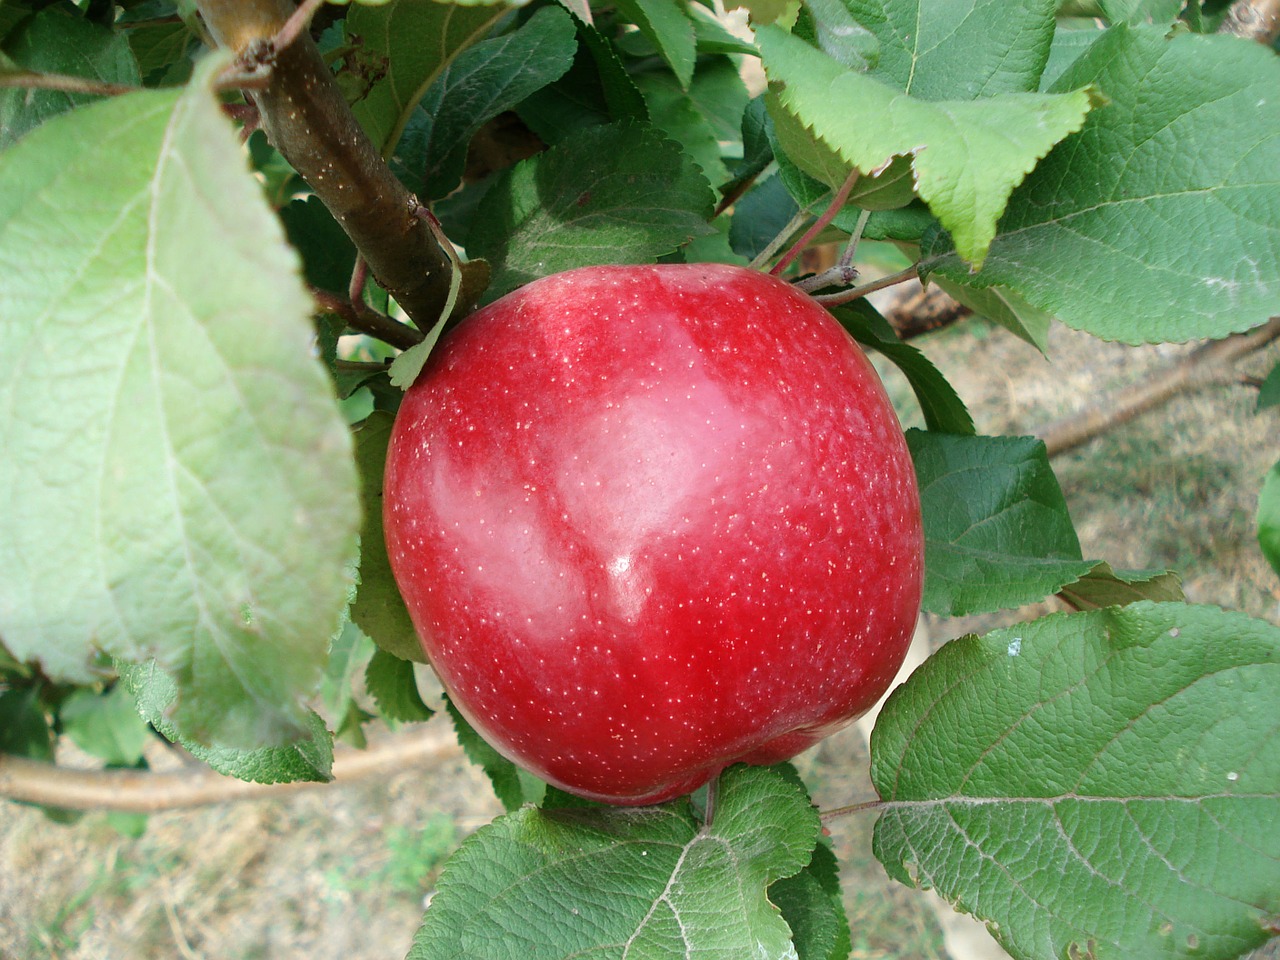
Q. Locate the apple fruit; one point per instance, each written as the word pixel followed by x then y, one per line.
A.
pixel 650 521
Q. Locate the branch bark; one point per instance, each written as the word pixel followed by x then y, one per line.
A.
pixel 1254 20
pixel 145 791
pixel 1207 364
pixel 306 118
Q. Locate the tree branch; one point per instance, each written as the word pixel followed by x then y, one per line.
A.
pixel 144 791
pixel 306 118
pixel 1254 20
pixel 1206 364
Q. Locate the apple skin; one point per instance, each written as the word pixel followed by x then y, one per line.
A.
pixel 650 521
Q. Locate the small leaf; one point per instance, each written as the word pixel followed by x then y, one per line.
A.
pixel 1100 784
pixel 405 45
pixel 24 726
pixel 105 725
pixel 996 529
pixel 812 905
pixel 308 758
pixel 667 26
pixel 1160 12
pixel 608 195
pixel 1269 518
pixel 942 407
pixel 512 786
pixel 585 881
pixel 1269 392
pixel 390 682
pixel 967 155
pixel 481 82
pixel 56 40
pixel 1096 244
pixel 1105 587
pixel 378 609
pixel 159 501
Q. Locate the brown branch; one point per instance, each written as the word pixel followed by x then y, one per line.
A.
pixel 306 118
pixel 1207 364
pixel 1254 20
pixel 144 791
pixel 65 83
pixel 368 321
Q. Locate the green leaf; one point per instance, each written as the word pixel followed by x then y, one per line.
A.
pixel 24 726
pixel 1070 41
pixel 1269 518
pixel 406 45
pixel 1105 587
pixel 958 51
pixel 105 725
pixel 1100 784
pixel 650 881
pixel 967 155
pixel 667 26
pixel 1160 12
pixel 942 407
pixel 390 682
pixel 328 255
pixel 512 786
pixel 763 212
pixel 56 40
pixel 310 757
pixel 1118 248
pixel 161 47
pixel 481 82
pixel 1001 305
pixel 996 529
pixel 1269 392
pixel 378 609
pixel 614 194
pixel 813 907
pixel 159 502
pixel 699 118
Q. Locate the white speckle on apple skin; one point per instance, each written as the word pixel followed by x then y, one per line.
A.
pixel 650 521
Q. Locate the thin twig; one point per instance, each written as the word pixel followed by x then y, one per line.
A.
pixel 837 812
pixel 149 791
pixel 399 335
pixel 834 207
pixel 1203 366
pixel 774 245
pixel 64 83
pixel 857 293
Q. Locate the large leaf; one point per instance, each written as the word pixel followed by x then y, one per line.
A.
pixel 959 51
pixel 56 40
pixel 613 194
pixel 667 25
pixel 646 882
pixel 177 480
pixel 404 46
pixel 513 786
pixel 1079 783
pixel 967 155
pixel 1181 239
pixel 996 529
pixel 482 82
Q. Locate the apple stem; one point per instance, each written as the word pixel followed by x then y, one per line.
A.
pixel 709 814
pixel 836 205
pixel 838 812
pixel 857 293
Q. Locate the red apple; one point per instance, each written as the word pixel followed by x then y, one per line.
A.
pixel 650 521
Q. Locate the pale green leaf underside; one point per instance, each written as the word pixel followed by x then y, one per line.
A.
pixel 968 155
pixel 959 50
pixel 1076 783
pixel 163 418
pixel 1152 224
pixel 636 883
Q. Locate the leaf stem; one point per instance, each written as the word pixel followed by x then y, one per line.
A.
pixel 837 203
pixel 774 245
pixel 64 83
pixel 399 335
pixel 857 293
pixel 838 812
